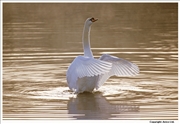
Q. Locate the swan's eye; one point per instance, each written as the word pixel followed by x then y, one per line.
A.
pixel 92 19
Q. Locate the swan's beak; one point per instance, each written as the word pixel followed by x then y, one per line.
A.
pixel 94 20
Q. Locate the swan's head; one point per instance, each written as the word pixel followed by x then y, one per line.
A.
pixel 90 21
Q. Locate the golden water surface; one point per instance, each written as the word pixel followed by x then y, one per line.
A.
pixel 40 40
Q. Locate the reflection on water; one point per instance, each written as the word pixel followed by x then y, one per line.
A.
pixel 40 43
pixel 98 107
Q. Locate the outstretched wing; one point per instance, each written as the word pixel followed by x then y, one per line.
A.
pixel 85 67
pixel 120 67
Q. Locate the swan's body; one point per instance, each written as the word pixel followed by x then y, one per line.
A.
pixel 86 73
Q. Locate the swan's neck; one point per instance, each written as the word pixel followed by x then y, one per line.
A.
pixel 86 41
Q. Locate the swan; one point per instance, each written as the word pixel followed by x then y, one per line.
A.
pixel 86 73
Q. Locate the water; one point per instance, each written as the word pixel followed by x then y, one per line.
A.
pixel 41 40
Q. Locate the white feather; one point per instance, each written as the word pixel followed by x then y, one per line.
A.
pixel 83 66
pixel 120 67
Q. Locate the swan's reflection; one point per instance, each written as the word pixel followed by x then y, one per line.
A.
pixel 95 106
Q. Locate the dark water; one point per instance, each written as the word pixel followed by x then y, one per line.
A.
pixel 41 40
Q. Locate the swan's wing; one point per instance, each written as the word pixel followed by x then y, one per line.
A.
pixel 120 67
pixel 85 66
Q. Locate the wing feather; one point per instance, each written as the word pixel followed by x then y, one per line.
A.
pixel 120 67
pixel 86 67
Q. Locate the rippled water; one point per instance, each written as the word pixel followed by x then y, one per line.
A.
pixel 41 40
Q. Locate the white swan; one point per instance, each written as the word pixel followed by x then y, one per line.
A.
pixel 86 73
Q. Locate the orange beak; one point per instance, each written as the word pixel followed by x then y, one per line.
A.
pixel 93 20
